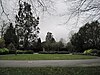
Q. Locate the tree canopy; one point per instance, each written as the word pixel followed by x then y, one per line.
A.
pixel 26 26
pixel 10 36
pixel 87 37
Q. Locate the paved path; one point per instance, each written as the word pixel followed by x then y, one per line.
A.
pixel 44 63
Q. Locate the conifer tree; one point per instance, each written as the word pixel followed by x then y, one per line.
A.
pixel 10 36
pixel 26 26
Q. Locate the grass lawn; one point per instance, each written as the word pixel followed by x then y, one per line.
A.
pixel 51 71
pixel 44 57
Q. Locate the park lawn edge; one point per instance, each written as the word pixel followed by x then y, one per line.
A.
pixel 45 57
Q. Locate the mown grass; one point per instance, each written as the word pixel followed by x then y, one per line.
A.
pixel 44 57
pixel 51 71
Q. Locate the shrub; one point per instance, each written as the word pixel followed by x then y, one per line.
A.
pixel 29 52
pixel 47 52
pixel 88 52
pixel 62 52
pixel 24 52
pixel 91 52
pixel 4 51
pixel 53 52
pixel 20 52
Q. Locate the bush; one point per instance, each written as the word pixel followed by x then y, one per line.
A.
pixel 53 52
pixel 20 52
pixel 24 52
pixel 12 52
pixel 93 52
pixel 88 52
pixel 29 52
pixel 62 52
pixel 78 53
pixel 47 52
pixel 4 51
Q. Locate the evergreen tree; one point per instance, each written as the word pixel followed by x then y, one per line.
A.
pixel 49 37
pixel 10 36
pixel 88 37
pixel 26 26
pixel 49 43
pixel 37 46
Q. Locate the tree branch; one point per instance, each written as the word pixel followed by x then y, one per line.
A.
pixel 3 11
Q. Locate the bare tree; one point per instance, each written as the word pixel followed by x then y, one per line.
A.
pixel 42 6
pixel 89 10
pixel 3 27
pixel 3 10
pixel 38 7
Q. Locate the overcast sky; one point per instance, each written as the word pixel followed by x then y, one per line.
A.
pixel 55 23
pixel 48 23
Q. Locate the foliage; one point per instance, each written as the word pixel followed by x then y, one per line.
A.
pixel 70 47
pixel 99 53
pixel 2 43
pixel 10 36
pixel 24 52
pixel 51 71
pixel 26 26
pixel 88 37
pixel 4 51
pixel 55 46
pixel 37 46
pixel 51 45
pixel 48 46
pixel 92 52
pixel 60 45
pixel 49 37
pixel 89 51
pixel 11 47
pixel 53 52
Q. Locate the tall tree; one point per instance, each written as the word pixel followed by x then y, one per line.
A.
pixel 87 37
pixel 49 37
pixel 38 7
pixel 3 29
pixel 26 26
pixel 60 44
pixel 37 46
pixel 10 36
pixel 86 10
pixel 49 43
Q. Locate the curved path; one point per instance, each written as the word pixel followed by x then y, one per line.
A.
pixel 55 63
